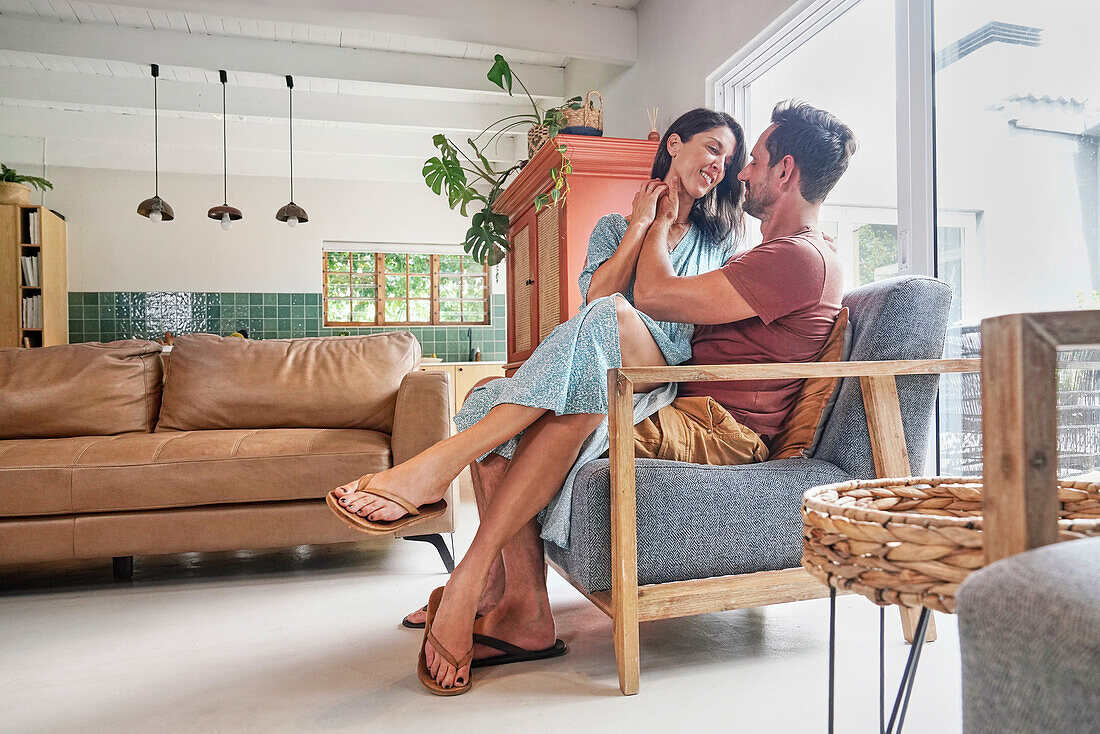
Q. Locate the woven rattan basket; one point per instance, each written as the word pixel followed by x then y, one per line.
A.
pixel 587 116
pixel 912 541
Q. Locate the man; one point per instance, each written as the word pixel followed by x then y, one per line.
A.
pixel 774 303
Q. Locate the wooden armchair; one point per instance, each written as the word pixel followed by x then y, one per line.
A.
pixel 871 431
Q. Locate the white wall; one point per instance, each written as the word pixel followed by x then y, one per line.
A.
pixel 680 42
pixel 112 248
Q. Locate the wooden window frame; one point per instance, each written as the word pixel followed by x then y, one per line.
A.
pixel 380 299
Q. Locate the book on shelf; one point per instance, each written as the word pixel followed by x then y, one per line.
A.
pixel 31 270
pixel 36 227
pixel 32 312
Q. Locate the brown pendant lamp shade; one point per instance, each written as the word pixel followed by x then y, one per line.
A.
pixel 291 213
pixel 227 214
pixel 156 208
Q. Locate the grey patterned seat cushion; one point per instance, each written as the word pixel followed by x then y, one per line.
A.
pixel 694 521
pixel 1029 632
pixel 702 521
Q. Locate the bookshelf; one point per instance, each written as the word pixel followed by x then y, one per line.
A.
pixel 36 234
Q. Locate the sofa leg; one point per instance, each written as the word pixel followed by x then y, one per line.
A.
pixel 440 545
pixel 122 567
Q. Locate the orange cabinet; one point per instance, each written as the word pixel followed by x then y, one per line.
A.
pixel 549 246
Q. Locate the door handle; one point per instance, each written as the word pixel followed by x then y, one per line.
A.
pixel 530 282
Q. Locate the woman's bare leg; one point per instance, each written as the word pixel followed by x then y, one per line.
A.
pixel 487 476
pixel 546 452
pixel 424 478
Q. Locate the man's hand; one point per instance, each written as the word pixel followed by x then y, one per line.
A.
pixel 644 210
pixel 668 206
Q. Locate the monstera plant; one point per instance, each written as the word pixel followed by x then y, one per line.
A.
pixel 468 179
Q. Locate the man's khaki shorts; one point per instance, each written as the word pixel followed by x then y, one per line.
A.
pixel 700 431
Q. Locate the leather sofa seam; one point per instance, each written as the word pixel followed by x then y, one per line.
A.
pixel 237 443
pixel 193 461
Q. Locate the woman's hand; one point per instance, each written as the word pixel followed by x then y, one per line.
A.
pixel 644 210
pixel 668 205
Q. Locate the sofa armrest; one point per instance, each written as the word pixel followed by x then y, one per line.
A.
pixel 423 414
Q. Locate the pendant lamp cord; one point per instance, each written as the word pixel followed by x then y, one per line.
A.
pixel 156 142
pixel 225 164
pixel 291 142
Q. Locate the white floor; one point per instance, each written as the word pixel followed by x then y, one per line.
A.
pixel 307 639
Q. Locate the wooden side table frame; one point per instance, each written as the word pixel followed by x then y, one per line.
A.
pixel 1020 425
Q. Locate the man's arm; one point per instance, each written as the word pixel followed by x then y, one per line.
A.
pixel 709 298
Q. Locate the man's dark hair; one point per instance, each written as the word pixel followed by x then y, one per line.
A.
pixel 719 213
pixel 819 143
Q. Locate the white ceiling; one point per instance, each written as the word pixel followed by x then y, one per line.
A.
pixel 74 77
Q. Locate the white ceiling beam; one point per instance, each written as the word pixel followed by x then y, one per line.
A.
pixel 96 129
pixel 175 48
pixel 573 29
pixel 132 93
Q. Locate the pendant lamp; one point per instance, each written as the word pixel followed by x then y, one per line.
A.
pixel 156 208
pixel 227 214
pixel 292 214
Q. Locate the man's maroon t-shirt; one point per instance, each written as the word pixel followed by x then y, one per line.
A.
pixel 795 285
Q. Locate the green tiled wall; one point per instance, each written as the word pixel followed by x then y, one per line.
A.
pixel 106 316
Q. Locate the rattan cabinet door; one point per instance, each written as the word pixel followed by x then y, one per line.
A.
pixel 522 291
pixel 549 270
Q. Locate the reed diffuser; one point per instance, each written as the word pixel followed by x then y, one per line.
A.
pixel 652 113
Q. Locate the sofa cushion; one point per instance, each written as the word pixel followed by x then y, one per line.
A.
pixel 325 382
pixel 694 521
pixel 138 471
pixel 89 389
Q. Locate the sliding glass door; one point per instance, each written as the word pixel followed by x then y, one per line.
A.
pixel 1016 134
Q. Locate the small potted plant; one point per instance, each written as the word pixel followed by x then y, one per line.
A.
pixel 14 188
pixel 465 179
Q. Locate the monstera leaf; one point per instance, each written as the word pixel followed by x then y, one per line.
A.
pixel 487 237
pixel 501 74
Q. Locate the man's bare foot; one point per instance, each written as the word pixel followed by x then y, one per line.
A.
pixel 418 482
pixel 526 625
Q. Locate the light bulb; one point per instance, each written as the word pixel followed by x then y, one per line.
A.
pixel 226 222
pixel 292 221
pixel 155 215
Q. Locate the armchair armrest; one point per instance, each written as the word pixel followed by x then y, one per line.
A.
pixel 793 370
pixel 422 416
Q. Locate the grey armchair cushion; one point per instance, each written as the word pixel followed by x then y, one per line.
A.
pixel 899 318
pixel 1029 630
pixel 694 521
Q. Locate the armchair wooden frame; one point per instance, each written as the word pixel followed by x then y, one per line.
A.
pixel 1020 425
pixel 627 603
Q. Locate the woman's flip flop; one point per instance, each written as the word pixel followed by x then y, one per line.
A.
pixel 420 625
pixel 422 671
pixel 384 527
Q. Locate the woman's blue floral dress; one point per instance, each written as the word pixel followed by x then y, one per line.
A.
pixel 567 372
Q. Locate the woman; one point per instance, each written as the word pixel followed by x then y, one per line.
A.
pixel 561 390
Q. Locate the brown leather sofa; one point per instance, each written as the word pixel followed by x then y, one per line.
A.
pixel 106 450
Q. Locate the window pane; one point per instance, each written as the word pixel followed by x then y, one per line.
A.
pixel 396 286
pixel 878 252
pixel 396 311
pixel 362 262
pixel 1018 197
pixel 339 311
pixel 339 285
pixel 420 286
pixel 473 287
pixel 473 311
pixel 450 263
pixel 420 263
pixel 363 291
pixel 338 261
pixel 450 311
pixel 395 263
pixel 857 45
pixel 450 287
pixel 420 311
pixel 363 311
